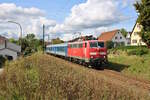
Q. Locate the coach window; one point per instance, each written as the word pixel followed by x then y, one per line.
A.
pixel 75 45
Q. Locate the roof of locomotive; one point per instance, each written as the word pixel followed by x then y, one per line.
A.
pixel 85 41
pixel 66 44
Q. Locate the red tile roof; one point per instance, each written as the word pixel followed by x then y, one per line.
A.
pixel 107 36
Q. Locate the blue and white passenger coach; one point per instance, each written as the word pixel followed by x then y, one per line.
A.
pixel 58 49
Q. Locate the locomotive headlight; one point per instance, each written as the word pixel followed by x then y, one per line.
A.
pixel 102 53
pixel 93 53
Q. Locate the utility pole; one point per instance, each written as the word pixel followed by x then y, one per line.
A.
pixel 43 38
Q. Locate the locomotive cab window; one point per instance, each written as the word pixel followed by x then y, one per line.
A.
pixel 93 44
pixel 101 44
pixel 96 44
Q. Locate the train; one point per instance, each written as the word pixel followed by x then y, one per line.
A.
pixel 89 53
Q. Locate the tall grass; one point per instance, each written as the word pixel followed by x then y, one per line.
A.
pixel 43 77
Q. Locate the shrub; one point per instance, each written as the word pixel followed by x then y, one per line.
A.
pixel 109 44
pixel 139 51
pixel 2 60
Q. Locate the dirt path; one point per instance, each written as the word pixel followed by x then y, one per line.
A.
pixel 126 81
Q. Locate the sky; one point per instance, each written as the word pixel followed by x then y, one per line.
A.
pixel 64 18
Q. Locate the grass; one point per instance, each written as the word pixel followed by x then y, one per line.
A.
pixel 134 65
pixel 43 77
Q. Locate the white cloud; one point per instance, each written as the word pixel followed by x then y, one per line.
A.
pixel 90 15
pixel 93 16
pixel 31 19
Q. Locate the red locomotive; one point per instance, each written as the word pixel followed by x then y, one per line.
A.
pixel 92 52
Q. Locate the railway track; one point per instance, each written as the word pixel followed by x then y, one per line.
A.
pixel 118 78
pixel 127 80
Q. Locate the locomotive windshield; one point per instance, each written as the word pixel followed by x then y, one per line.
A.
pixel 101 44
pixel 96 44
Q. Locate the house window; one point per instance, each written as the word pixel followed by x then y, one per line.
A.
pixel 134 41
pixel 135 33
pixel 116 37
pixel 140 40
pixel 120 37
pixel 138 26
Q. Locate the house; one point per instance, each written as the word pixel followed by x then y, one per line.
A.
pixel 128 38
pixel 2 39
pixel 135 38
pixel 9 50
pixel 114 36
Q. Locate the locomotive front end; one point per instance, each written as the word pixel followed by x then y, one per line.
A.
pixel 98 53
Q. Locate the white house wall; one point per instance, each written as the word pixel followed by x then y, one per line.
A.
pixel 8 52
pixel 2 46
pixel 14 47
pixel 118 40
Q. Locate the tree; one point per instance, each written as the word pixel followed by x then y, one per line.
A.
pixel 124 32
pixel 109 44
pixel 143 9
pixel 57 41
pixel 30 44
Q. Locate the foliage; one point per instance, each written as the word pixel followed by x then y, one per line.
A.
pixel 2 60
pixel 57 41
pixel 130 50
pixel 30 44
pixel 124 32
pixel 109 44
pixel 31 79
pixel 129 47
pixel 143 8
pixel 138 66
pixel 14 41
pixel 138 52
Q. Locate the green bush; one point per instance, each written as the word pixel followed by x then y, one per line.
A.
pixel 109 44
pixel 2 60
pixel 138 52
pixel 130 47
